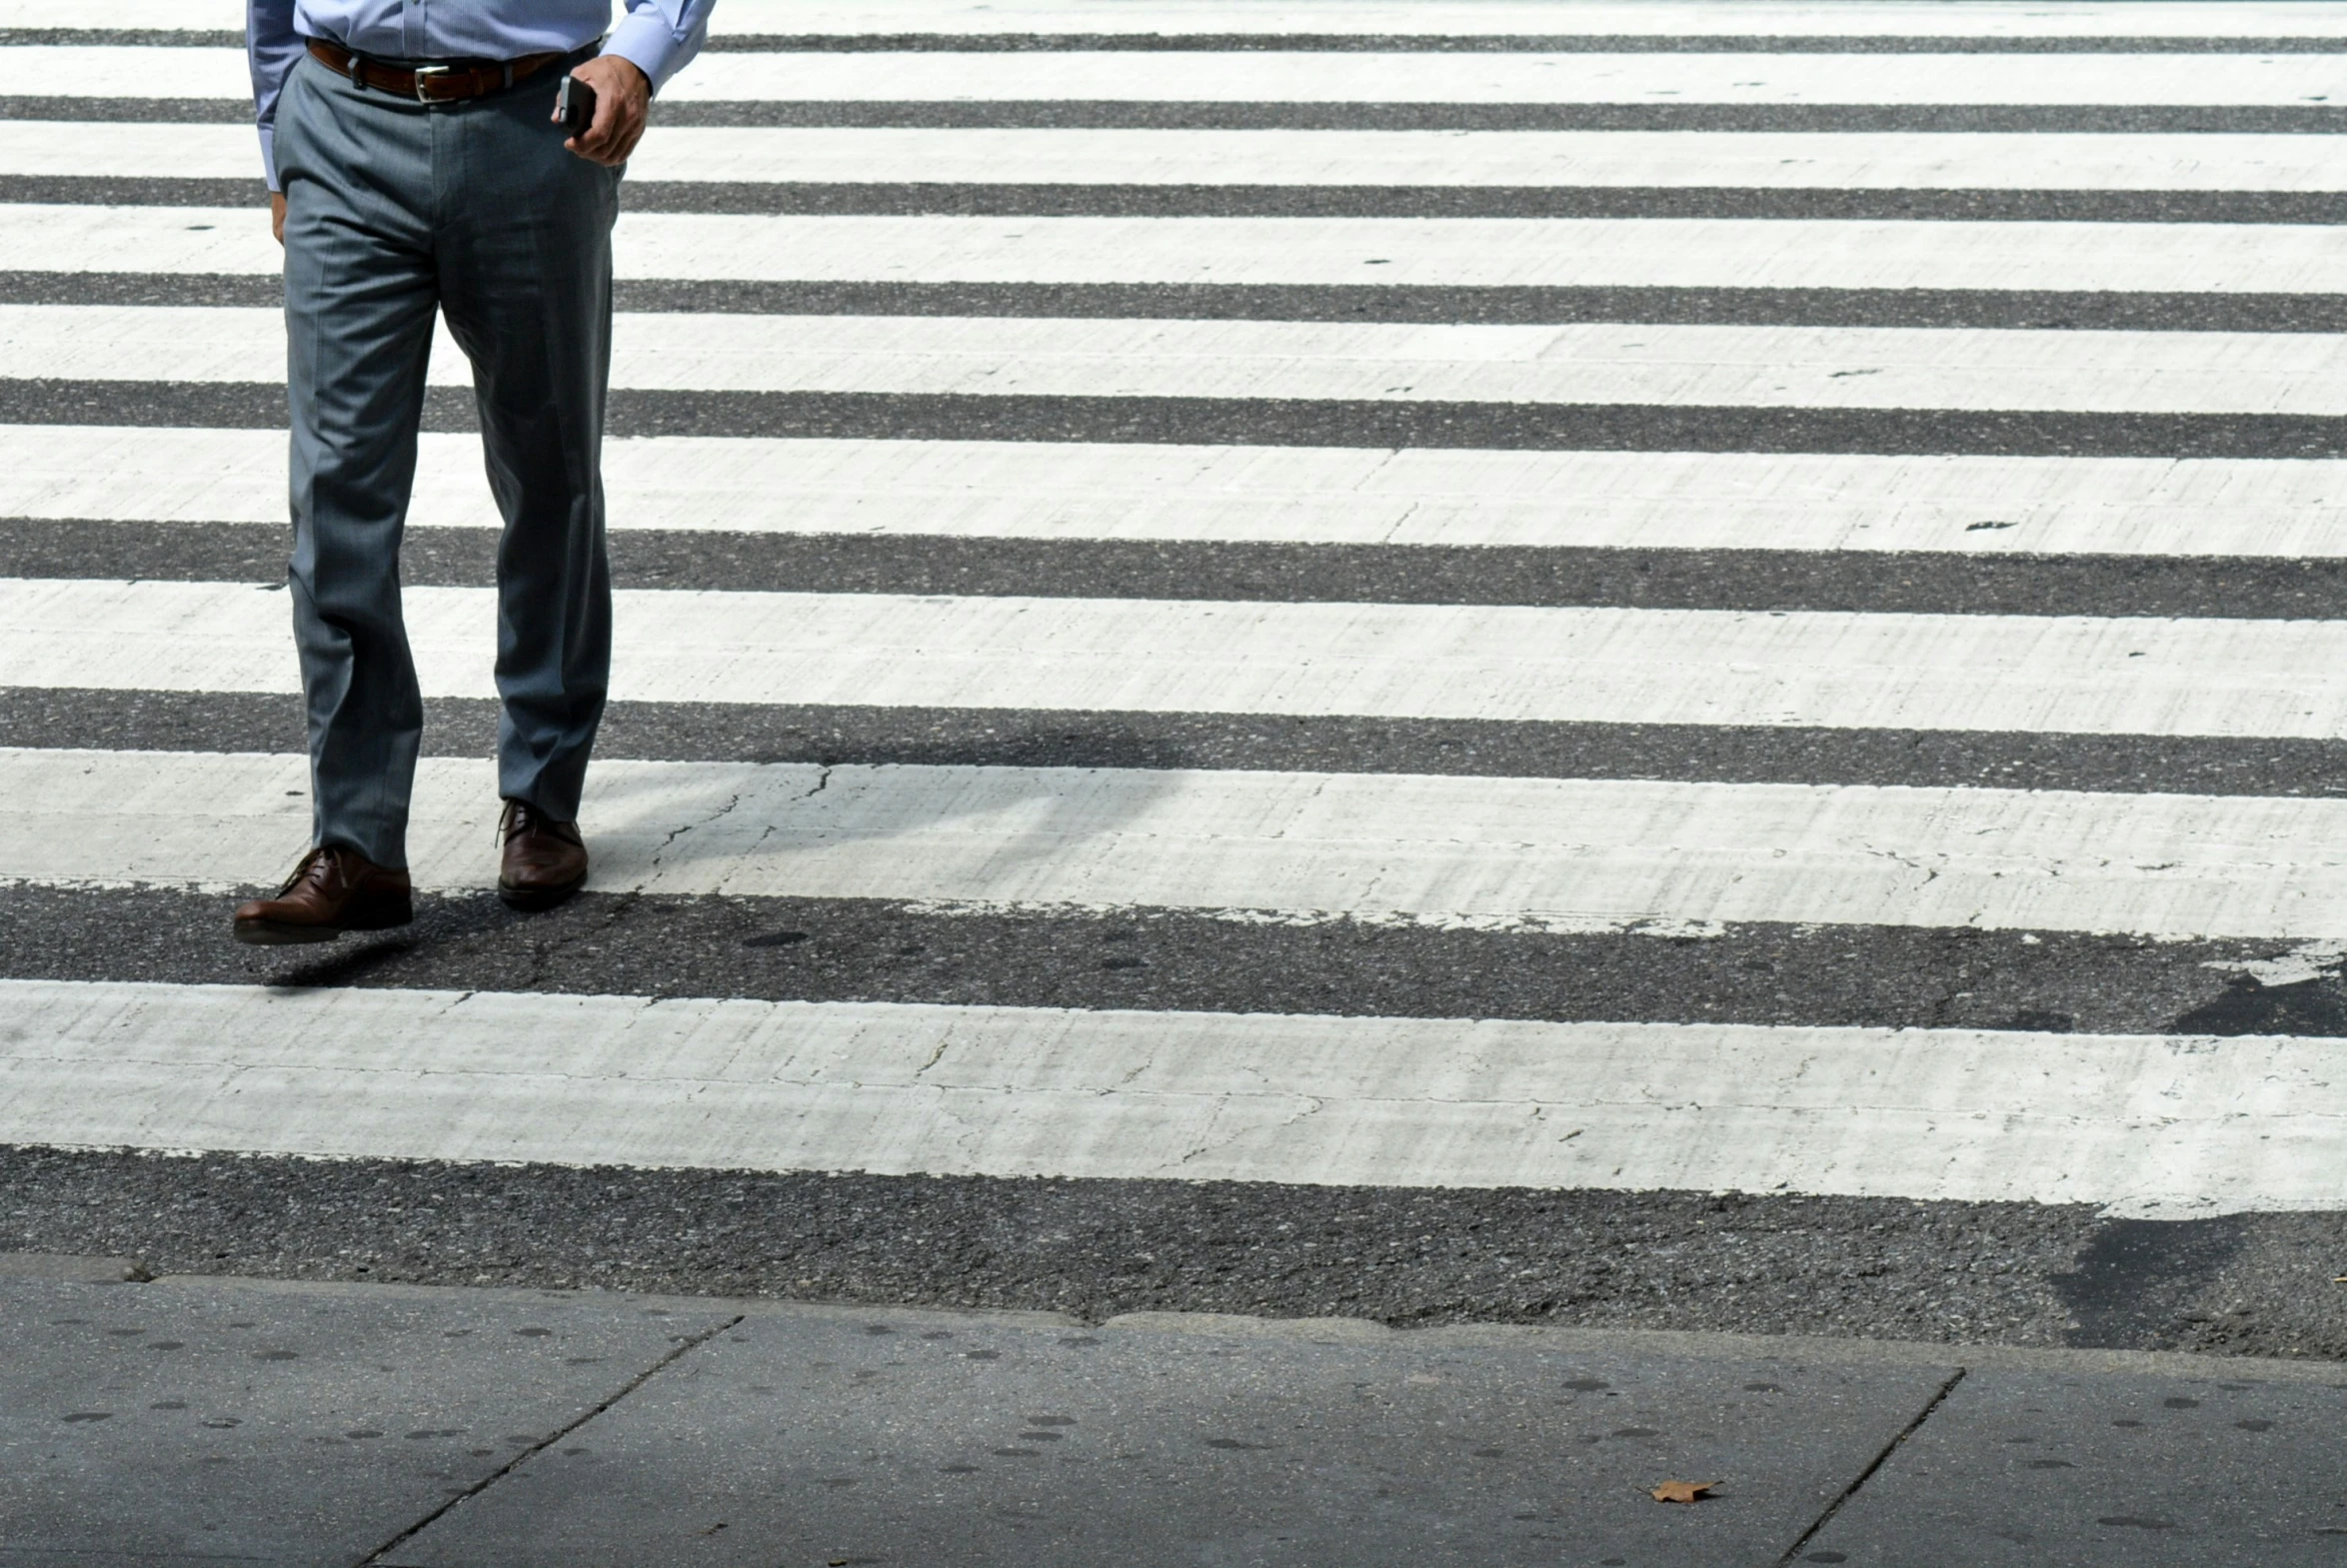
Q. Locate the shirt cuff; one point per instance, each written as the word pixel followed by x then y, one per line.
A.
pixel 269 156
pixel 645 41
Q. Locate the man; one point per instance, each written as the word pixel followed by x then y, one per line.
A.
pixel 413 167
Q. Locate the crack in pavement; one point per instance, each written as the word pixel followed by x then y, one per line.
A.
pixel 675 833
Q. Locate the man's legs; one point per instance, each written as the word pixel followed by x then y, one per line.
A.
pixel 360 291
pixel 524 273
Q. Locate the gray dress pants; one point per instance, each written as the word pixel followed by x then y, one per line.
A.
pixel 396 210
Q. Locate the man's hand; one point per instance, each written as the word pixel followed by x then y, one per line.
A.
pixel 277 214
pixel 622 99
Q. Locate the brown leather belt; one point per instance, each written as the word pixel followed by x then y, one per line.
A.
pixel 431 84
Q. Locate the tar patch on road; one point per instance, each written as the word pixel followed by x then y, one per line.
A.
pixel 2249 1006
pixel 2228 1284
pixel 2139 1277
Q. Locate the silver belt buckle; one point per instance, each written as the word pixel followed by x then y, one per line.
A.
pixel 421 73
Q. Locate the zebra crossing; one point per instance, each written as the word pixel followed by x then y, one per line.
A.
pixel 1602 597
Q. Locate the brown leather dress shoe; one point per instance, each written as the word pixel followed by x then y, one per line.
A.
pixel 544 860
pixel 333 890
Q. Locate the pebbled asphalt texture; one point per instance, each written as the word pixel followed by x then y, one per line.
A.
pixel 1880 1268
pixel 1130 114
pixel 1276 422
pixel 1474 304
pixel 77 718
pixel 1328 200
pixel 1872 581
pixel 852 950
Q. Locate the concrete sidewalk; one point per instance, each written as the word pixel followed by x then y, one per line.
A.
pixel 205 1420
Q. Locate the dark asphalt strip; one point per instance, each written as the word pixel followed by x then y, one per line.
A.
pixel 1359 423
pixel 1509 43
pixel 1320 200
pixel 1882 1267
pixel 1121 114
pixel 2018 1273
pixel 2033 308
pixel 92 190
pixel 80 719
pixel 129 111
pixel 213 404
pixel 1872 581
pixel 142 288
pixel 856 949
pixel 121 37
pixel 1348 43
pixel 1461 201
pixel 1276 421
pixel 1117 113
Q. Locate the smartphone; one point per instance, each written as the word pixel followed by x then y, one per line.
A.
pixel 574 105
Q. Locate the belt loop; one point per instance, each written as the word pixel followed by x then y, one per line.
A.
pixel 509 75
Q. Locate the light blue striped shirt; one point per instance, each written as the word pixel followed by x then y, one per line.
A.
pixel 657 36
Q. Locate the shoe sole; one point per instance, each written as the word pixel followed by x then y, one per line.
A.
pixel 279 934
pixel 274 934
pixel 537 901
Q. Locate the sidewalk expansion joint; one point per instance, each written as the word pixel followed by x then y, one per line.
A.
pixel 1909 1430
pixel 688 1343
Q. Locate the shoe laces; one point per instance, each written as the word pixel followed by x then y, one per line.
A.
pixel 520 817
pixel 314 867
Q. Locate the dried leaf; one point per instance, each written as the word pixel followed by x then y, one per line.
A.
pixel 1681 1491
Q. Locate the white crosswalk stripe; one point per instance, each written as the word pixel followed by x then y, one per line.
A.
pixel 1983 161
pixel 2071 674
pixel 1515 853
pixel 1596 363
pixel 1710 253
pixel 1048 490
pixel 1640 18
pixel 2153 1125
pixel 1486 253
pixel 125 774
pixel 1521 78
